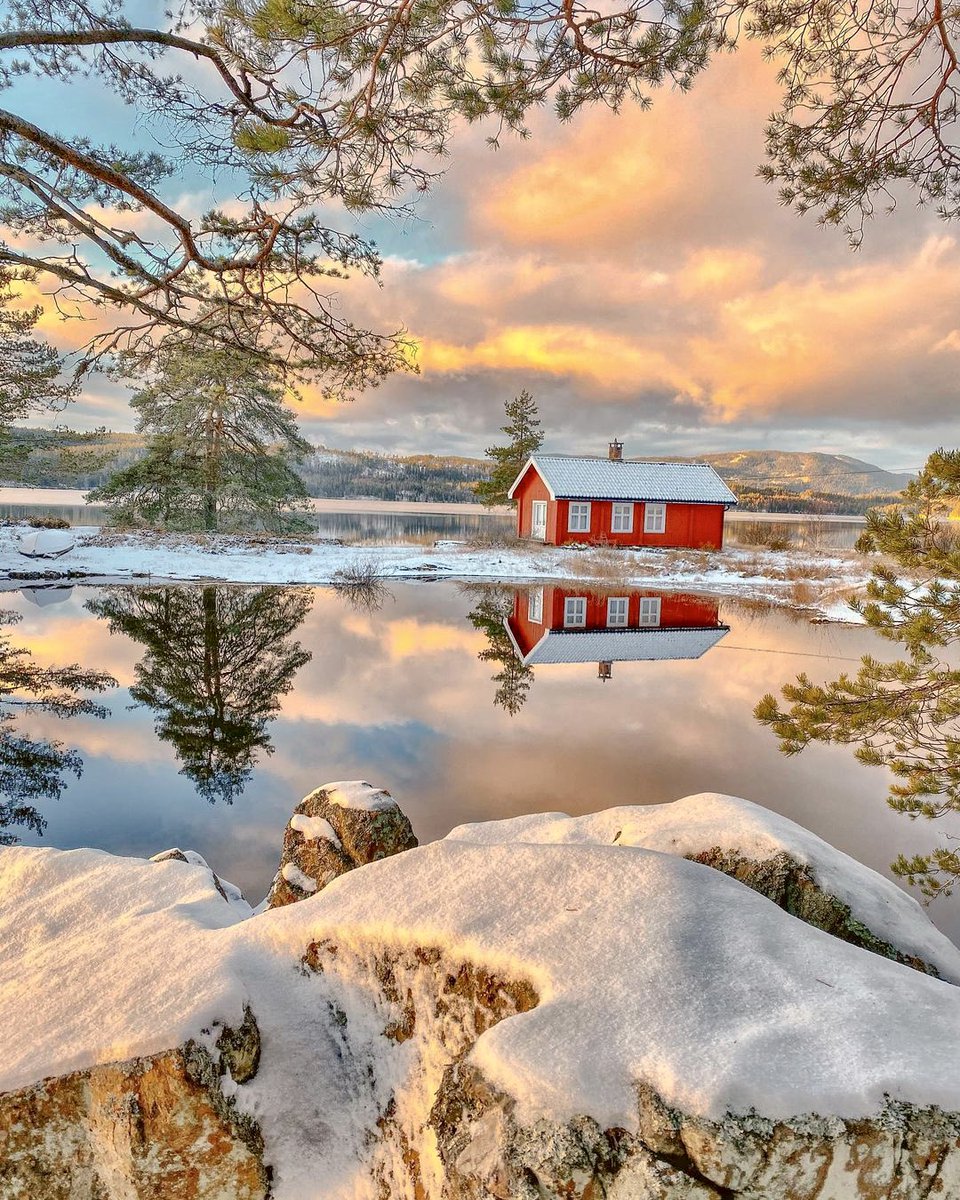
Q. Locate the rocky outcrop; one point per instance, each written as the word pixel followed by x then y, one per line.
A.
pixel 903 1154
pixel 157 1126
pixel 540 1012
pixel 445 1132
pixel 333 830
pixel 792 887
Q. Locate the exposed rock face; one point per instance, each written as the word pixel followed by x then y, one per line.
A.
pixel 447 1133
pixel 333 830
pixel 791 886
pixel 158 1126
pixel 902 1155
pixel 432 1034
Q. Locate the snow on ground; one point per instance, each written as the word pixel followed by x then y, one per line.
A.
pixel 791 577
pixel 648 968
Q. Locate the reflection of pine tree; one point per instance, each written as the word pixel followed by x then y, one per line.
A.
pixel 514 679
pixel 217 662
pixel 33 769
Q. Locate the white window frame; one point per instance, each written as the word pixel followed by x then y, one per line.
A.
pixel 533 519
pixel 618 612
pixel 535 606
pixel 654 518
pixel 621 518
pixel 583 511
pixel 649 611
pixel 575 612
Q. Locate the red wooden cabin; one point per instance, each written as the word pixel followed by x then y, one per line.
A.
pixel 562 499
pixel 566 623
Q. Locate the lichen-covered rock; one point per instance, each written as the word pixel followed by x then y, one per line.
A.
pixel 792 887
pixel 334 829
pixel 158 1126
pixel 562 1013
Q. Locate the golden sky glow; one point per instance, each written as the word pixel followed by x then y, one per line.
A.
pixel 633 273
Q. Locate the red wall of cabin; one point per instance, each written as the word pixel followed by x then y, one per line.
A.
pixel 697 526
pixel 677 611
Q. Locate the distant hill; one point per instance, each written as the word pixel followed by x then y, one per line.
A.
pixel 764 480
pixel 788 471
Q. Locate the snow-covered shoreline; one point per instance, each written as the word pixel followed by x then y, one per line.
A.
pixel 800 579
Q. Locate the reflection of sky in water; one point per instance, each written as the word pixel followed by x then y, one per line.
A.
pixel 400 697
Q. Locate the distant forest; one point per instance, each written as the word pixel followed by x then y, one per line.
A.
pixel 83 461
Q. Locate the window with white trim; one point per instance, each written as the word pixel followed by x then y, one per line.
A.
pixel 575 612
pixel 618 612
pixel 578 518
pixel 649 610
pixel 535 606
pixel 654 518
pixel 622 519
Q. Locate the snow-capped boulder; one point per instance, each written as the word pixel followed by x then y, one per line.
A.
pixel 334 829
pixel 768 852
pixel 532 1018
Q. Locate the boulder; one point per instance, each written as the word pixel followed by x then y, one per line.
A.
pixel 540 1010
pixel 334 829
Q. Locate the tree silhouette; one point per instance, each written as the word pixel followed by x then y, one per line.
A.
pixel 513 680
pixel 33 769
pixel 217 661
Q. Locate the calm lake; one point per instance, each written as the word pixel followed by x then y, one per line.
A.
pixel 233 702
pixel 391 522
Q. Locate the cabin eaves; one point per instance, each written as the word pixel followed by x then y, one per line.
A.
pixel 571 478
pixel 618 645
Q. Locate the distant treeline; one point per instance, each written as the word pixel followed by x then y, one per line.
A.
pixel 71 460
pixel 775 500
pixel 360 474
pixel 48 459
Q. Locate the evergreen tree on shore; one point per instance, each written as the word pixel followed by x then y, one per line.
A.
pixel 524 430
pixel 902 715
pixel 222 443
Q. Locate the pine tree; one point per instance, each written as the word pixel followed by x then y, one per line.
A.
pixel 514 679
pixel 30 376
pixel 524 431
pixel 903 715
pixel 217 662
pixel 32 768
pixel 221 448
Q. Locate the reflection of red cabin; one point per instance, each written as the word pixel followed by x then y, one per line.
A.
pixel 562 499
pixel 556 624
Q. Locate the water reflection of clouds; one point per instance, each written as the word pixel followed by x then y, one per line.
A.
pixel 401 698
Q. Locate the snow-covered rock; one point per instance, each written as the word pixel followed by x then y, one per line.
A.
pixel 334 829
pixel 524 1017
pixel 770 853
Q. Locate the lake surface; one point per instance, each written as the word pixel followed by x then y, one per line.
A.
pixel 233 702
pixel 396 522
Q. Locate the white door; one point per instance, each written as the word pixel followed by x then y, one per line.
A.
pixel 538 523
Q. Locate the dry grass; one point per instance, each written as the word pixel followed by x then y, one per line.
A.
pixel 607 564
pixel 766 535
pixel 495 540
pixel 361 585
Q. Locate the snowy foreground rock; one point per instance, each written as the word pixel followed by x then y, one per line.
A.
pixel 549 1007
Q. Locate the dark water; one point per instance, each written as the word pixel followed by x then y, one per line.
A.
pixel 234 702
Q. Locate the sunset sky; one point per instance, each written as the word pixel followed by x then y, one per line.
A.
pixel 632 273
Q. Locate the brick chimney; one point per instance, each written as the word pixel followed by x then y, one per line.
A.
pixel 616 451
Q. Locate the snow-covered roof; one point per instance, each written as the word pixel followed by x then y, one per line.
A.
pixel 571 478
pixel 620 645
